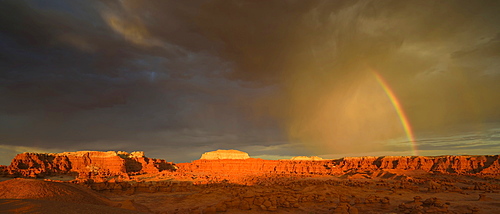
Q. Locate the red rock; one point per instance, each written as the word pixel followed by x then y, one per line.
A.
pixel 483 197
pixel 3 170
pixel 475 210
pixel 233 166
pixel 86 164
pixel 244 205
pixel 221 207
pixel 209 210
pixel 241 170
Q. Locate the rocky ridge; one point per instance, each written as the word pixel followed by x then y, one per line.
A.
pixel 238 170
pixel 233 165
pixel 400 184
pixel 86 164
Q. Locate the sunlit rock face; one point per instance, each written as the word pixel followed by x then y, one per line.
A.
pixel 311 158
pixel 224 154
pixel 236 170
pixel 86 163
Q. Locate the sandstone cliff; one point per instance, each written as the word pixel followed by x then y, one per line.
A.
pixel 462 165
pixel 234 165
pixel 85 164
pixel 224 154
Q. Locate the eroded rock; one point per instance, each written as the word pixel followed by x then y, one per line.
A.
pixel 86 164
pixel 224 154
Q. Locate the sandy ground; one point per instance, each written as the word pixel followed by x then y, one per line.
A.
pixel 201 199
pixel 44 206
pixel 308 195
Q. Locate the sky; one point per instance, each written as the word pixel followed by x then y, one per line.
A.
pixel 273 78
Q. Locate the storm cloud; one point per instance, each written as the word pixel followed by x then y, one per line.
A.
pixel 274 78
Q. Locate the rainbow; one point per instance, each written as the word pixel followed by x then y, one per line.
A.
pixel 399 110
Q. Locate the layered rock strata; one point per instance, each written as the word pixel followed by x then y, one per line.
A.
pixel 461 165
pixel 224 154
pixel 85 164
pixel 235 165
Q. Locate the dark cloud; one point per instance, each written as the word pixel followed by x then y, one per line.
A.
pixel 321 54
pixel 272 78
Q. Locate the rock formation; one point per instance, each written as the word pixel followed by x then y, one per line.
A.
pixel 234 165
pixel 232 182
pixel 224 154
pixel 3 170
pixel 85 164
pixel 311 158
pixel 362 167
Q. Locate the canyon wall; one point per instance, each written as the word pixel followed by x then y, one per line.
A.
pixel 234 165
pixel 85 164
pixel 463 165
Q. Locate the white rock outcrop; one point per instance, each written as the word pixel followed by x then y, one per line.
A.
pixel 312 158
pixel 224 154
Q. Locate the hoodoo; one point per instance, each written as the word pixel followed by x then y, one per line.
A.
pixel 224 154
